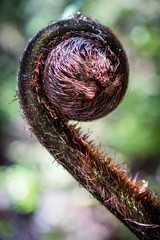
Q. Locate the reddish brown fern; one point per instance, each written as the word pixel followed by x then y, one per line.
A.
pixel 77 69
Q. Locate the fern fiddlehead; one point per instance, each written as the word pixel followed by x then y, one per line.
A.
pixel 77 69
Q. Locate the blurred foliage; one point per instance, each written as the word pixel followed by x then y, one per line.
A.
pixel 39 200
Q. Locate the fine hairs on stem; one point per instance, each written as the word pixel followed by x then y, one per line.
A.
pixel 77 69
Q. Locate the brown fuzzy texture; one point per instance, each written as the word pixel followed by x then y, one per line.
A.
pixel 84 78
pixel 77 69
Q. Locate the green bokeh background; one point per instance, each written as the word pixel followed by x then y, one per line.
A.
pixel 38 199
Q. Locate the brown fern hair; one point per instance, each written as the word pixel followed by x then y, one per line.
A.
pixel 77 69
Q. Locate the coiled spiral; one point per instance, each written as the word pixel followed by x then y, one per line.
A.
pixel 83 71
pixel 77 69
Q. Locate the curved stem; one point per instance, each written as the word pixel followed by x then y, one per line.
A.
pixel 129 200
